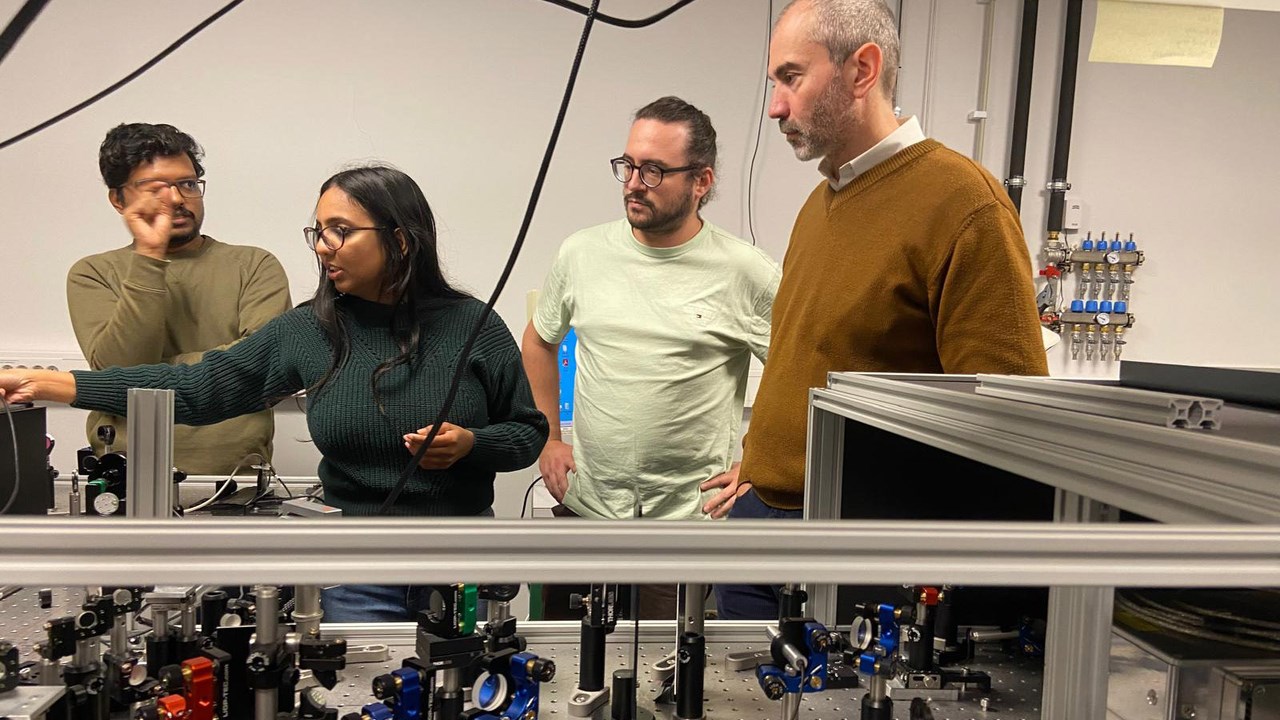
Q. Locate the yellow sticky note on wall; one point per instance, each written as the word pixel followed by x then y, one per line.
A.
pixel 1146 33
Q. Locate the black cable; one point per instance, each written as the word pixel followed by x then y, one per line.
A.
pixel 465 356
pixel 764 104
pixel 126 79
pixel 619 22
pixel 39 5
pixel 525 503
pixel 19 24
pixel 635 634
pixel 13 435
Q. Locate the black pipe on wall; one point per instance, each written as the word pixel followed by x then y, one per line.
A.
pixel 1015 181
pixel 1066 107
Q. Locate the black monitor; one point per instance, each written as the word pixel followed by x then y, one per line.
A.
pixel 892 477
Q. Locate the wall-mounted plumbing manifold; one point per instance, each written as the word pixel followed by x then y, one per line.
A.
pixel 1098 316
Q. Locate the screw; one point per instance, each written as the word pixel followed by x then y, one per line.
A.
pixel 984 703
pixel 815 682
pixel 1152 698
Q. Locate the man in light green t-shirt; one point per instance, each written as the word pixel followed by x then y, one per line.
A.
pixel 668 310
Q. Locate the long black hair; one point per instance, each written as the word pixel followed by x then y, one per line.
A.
pixel 411 276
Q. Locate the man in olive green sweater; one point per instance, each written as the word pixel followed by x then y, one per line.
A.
pixel 147 303
pixel 908 257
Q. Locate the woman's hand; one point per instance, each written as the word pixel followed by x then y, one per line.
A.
pixel 23 386
pixel 451 445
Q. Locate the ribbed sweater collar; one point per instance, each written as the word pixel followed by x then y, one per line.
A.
pixel 864 181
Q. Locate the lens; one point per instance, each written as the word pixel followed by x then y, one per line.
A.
pixel 622 170
pixel 489 692
pixel 650 174
pixel 333 237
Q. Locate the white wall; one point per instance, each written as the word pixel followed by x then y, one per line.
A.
pixel 1185 158
pixel 462 94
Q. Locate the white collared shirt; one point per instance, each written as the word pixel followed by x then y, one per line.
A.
pixel 907 134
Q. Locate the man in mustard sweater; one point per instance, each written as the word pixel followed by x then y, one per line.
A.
pixel 171 302
pixel 907 257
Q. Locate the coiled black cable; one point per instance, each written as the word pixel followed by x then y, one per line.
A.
pixel 126 79
pixel 27 14
pixel 13 435
pixel 465 356
pixel 619 22
pixel 764 107
pixel 22 20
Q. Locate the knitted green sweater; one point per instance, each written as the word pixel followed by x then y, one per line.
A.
pixel 363 447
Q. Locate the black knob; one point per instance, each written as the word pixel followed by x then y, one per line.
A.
pixel 774 689
pixel 543 670
pixel 76 695
pixel 107 434
pixel 384 686
pixel 171 678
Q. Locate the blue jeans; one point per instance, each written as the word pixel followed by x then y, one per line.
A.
pixel 752 602
pixel 382 603
pixel 373 603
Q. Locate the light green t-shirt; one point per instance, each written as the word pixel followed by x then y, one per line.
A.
pixel 665 337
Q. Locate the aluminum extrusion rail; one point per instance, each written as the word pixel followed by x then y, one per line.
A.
pixel 395 551
pixel 1144 406
pixel 1172 476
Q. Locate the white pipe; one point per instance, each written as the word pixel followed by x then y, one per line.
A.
pixel 984 82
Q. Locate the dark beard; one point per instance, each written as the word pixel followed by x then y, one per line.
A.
pixel 181 241
pixel 660 223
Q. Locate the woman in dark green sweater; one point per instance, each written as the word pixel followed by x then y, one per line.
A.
pixel 374 349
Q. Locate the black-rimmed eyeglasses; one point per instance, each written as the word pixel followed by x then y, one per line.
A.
pixel 333 236
pixel 186 188
pixel 651 175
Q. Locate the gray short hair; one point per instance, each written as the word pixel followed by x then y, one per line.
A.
pixel 843 26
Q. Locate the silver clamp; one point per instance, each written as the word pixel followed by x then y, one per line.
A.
pixel 1058 186
pixel 1016 181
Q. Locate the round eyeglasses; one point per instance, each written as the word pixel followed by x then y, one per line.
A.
pixel 651 175
pixel 333 236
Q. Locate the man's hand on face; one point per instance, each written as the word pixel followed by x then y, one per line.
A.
pixel 150 221
pixel 554 463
